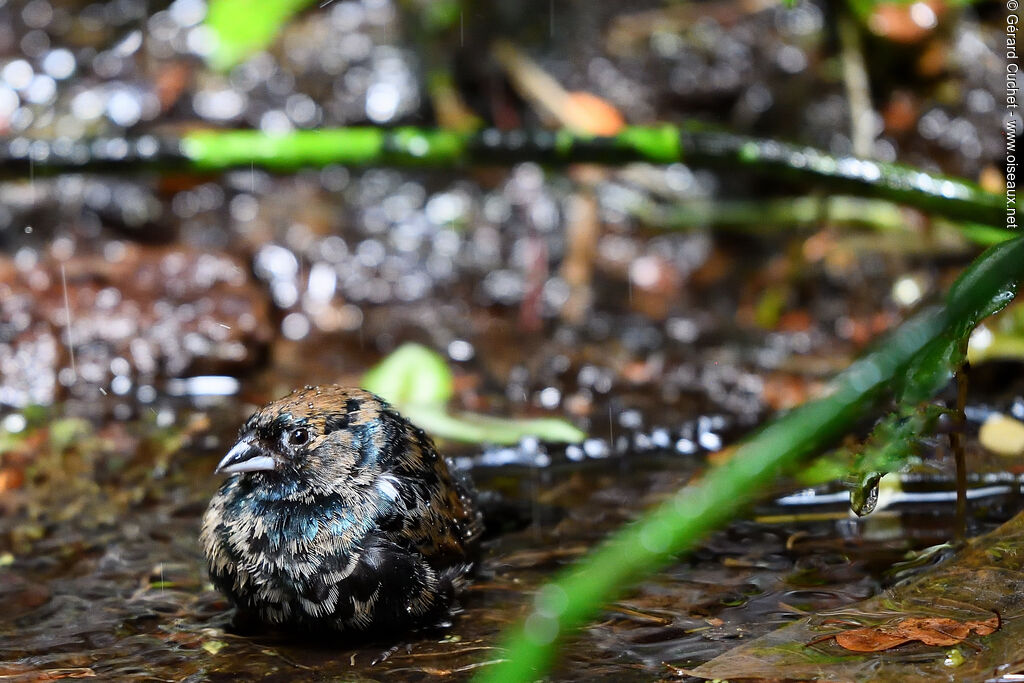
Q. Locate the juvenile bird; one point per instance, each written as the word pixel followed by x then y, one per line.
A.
pixel 339 515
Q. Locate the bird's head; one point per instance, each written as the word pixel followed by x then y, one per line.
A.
pixel 313 439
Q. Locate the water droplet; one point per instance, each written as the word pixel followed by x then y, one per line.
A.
pixel 864 496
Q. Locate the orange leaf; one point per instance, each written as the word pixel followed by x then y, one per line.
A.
pixel 939 631
pixel 868 640
pixel 589 113
pixel 984 628
pixel 931 630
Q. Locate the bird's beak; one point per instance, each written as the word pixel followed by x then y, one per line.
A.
pixel 245 456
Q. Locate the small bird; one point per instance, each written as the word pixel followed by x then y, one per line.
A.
pixel 339 516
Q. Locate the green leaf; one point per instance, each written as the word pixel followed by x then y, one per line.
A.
pixel 826 468
pixel 985 274
pixel 412 375
pixel 64 432
pixel 1001 338
pixel 476 428
pixel 418 382
pixel 242 27
pixel 894 441
pixel 985 234
pixel 931 369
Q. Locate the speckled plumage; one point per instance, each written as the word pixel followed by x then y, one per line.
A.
pixel 354 521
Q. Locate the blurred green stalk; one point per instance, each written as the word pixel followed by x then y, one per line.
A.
pixel 760 216
pixel 678 524
pixel 753 215
pixel 218 150
pixel 952 197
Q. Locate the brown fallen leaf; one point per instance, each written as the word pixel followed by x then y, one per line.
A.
pixel 933 630
pixel 987 627
pixel 940 631
pixel 868 640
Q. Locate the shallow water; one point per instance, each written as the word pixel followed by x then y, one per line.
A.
pixel 106 578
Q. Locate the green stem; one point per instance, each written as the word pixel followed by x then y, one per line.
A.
pixel 951 197
pixel 763 216
pixel 217 150
pixel 760 215
pixel 678 524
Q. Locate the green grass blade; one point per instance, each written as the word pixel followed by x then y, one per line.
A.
pixel 679 523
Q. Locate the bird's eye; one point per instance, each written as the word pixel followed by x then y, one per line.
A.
pixel 298 436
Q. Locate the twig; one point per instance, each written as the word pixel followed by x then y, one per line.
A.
pixel 67 321
pixel 858 89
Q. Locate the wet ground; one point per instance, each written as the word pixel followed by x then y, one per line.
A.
pixel 102 574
